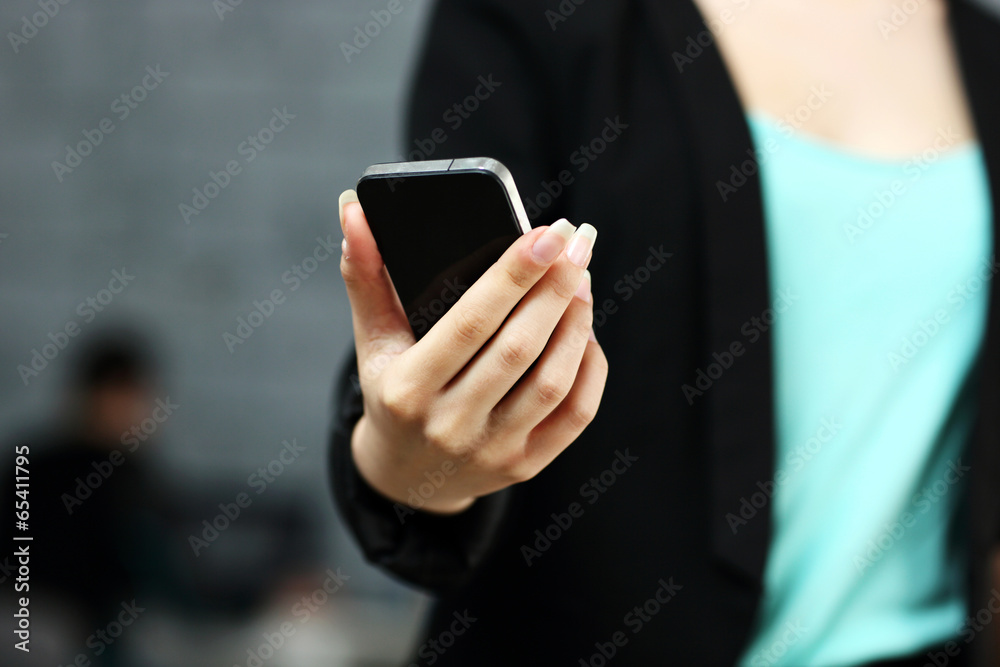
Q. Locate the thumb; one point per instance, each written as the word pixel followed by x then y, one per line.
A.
pixel 380 325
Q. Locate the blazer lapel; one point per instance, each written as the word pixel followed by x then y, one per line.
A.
pixel 738 408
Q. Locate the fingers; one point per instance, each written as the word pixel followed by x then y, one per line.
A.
pixel 553 377
pixel 378 317
pixel 523 337
pixel 577 410
pixel 476 316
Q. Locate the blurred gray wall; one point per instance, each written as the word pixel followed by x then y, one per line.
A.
pixel 118 209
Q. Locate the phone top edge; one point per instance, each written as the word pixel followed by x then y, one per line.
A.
pixel 393 168
pixel 484 163
pixel 488 165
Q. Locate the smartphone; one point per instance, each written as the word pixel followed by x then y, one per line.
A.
pixel 439 225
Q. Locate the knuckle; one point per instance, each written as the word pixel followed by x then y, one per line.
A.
pixel 401 400
pixel 471 323
pixel 349 273
pixel 518 276
pixel 601 361
pixel 582 322
pixel 517 470
pixel 579 415
pixel 375 363
pixel 446 435
pixel 551 389
pixel 515 349
pixel 564 286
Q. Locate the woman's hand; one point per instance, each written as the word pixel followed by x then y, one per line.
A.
pixel 452 409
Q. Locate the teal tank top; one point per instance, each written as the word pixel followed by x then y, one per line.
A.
pixel 889 266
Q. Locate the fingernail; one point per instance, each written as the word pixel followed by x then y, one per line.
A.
pixel 581 244
pixel 593 336
pixel 346 197
pixel 548 246
pixel 583 289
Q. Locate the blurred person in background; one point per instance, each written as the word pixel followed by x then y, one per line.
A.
pixel 100 553
pixel 795 457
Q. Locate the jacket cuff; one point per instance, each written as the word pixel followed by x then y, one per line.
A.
pixel 435 552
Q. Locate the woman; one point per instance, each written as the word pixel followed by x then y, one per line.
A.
pixel 793 458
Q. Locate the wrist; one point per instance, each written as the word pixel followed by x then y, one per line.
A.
pixel 379 471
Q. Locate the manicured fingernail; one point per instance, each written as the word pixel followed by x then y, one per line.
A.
pixel 548 246
pixel 593 336
pixel 346 197
pixel 583 289
pixel 581 244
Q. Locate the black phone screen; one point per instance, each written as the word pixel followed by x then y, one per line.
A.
pixel 437 233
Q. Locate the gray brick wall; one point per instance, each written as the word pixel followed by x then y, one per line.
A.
pixel 120 208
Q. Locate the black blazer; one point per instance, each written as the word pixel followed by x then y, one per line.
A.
pixel 649 70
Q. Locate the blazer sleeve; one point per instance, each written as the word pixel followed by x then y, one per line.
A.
pixel 434 552
pixel 478 91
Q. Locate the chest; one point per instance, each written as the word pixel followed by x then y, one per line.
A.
pixel 889 79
